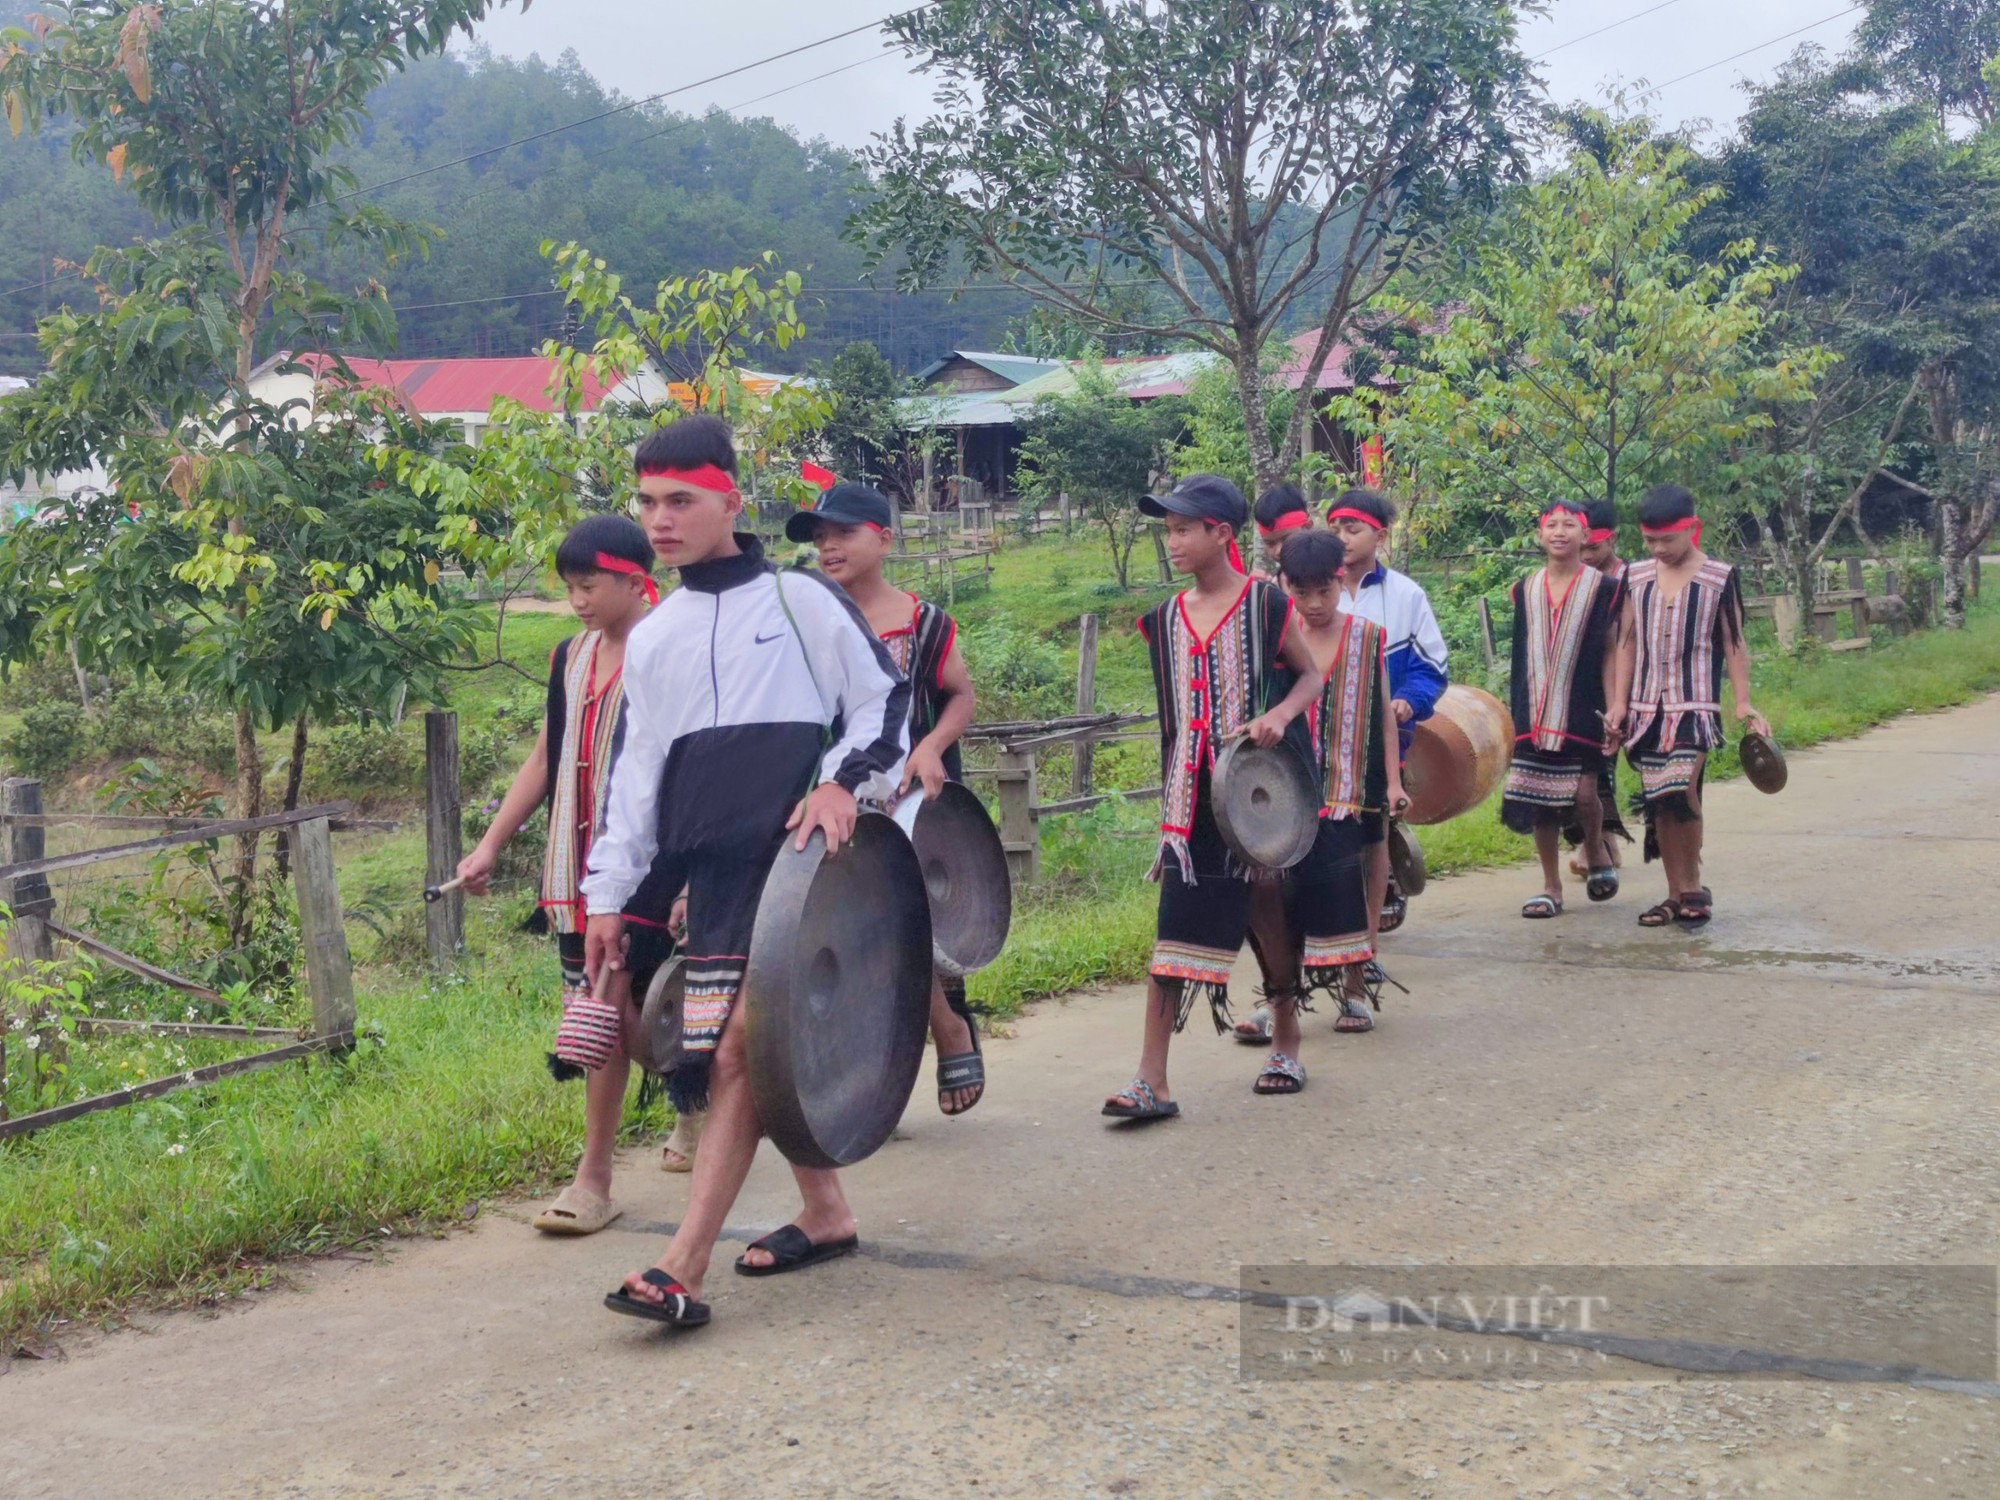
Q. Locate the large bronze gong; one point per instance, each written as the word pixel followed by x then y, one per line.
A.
pixel 836 999
pixel 1266 804
pixel 965 876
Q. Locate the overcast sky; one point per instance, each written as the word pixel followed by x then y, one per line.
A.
pixel 644 47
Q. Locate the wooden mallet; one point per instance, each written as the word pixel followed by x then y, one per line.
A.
pixel 439 892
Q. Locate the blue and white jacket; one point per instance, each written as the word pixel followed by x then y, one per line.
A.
pixel 1410 638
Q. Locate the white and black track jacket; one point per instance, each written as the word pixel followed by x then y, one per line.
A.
pixel 726 714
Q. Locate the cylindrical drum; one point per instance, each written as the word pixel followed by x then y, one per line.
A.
pixel 1457 756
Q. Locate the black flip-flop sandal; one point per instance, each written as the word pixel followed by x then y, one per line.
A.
pixel 1696 908
pixel 962 1070
pixel 1146 1105
pixel 1602 884
pixel 680 1310
pixel 790 1250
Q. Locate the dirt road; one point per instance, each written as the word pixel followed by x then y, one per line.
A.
pixel 1046 1305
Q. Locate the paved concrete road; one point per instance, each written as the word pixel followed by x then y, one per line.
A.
pixel 1045 1302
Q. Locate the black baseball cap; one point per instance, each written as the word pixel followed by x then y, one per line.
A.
pixel 1206 497
pixel 845 505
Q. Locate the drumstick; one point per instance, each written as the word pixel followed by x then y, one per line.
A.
pixel 439 892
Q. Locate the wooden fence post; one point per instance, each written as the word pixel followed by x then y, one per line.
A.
pixel 329 968
pixel 1860 606
pixel 444 842
pixel 1086 702
pixel 1020 834
pixel 1485 633
pixel 31 901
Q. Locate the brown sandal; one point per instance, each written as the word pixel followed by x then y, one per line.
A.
pixel 1667 912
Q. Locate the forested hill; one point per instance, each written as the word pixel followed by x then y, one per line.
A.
pixel 655 192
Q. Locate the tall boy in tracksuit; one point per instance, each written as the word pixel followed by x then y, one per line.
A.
pixel 739 688
pixel 1415 648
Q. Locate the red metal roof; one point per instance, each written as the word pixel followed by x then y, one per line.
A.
pixel 435 387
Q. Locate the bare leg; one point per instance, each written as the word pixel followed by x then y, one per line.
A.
pixel 1276 947
pixel 1590 816
pixel 728 1145
pixel 1680 849
pixel 1285 1034
pixel 1548 847
pixel 604 1096
pixel 1378 886
pixel 1160 1013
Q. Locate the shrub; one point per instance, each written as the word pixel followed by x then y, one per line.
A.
pixel 145 719
pixel 1019 676
pixel 51 738
pixel 365 757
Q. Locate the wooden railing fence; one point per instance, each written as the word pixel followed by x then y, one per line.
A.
pixel 33 932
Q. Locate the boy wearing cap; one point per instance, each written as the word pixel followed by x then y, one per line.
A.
pixel 1415 652
pixel 1221 651
pixel 1600 551
pixel 852 527
pixel 1683 630
pixel 606 563
pixel 742 690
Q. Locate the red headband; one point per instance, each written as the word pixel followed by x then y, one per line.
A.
pixel 1348 513
pixel 1564 510
pixel 1692 523
pixel 1291 520
pixel 1236 555
pixel 612 564
pixel 1603 534
pixel 706 477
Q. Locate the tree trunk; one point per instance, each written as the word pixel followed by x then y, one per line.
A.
pixel 1953 539
pixel 294 774
pixel 1265 462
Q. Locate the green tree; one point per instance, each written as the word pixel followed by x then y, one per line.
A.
pixel 1937 51
pixel 863 436
pixel 504 505
pixel 1593 357
pixel 221 116
pixel 1104 450
pixel 1264 165
pixel 1895 226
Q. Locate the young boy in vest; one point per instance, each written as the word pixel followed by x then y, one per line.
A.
pixel 1562 695
pixel 1348 736
pixel 1683 632
pixel 852 527
pixel 1415 651
pixel 1600 551
pixel 1219 650
pixel 738 689
pixel 606 563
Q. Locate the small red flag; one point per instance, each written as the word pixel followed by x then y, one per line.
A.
pixel 812 473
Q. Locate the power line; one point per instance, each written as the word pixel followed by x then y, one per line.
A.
pixel 627 108
pixel 1635 16
pixel 1720 61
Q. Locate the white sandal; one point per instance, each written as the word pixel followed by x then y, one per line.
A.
pixel 683 1142
pixel 577 1211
